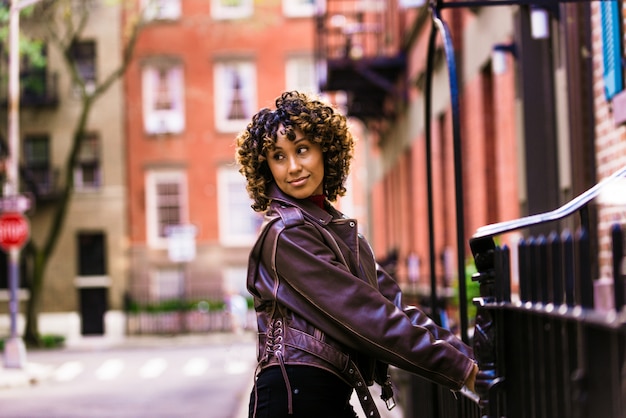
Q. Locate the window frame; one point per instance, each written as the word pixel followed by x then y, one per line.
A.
pixel 163 121
pixel 229 179
pixel 224 73
pixel 612 53
pixel 161 10
pixel 153 222
pixel 79 183
pixel 294 68
pixel 85 56
pixel 84 266
pixel 158 279
pixel 299 8
pixel 40 169
pixel 220 11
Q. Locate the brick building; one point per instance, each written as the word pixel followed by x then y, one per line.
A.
pixel 86 274
pixel 526 128
pixel 608 29
pixel 201 70
pixel 535 133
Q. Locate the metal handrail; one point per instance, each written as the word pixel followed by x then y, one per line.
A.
pixel 567 209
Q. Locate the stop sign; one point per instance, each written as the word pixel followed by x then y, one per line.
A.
pixel 14 230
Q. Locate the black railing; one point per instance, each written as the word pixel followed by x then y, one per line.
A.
pixel 542 356
pixel 551 352
pixel 192 313
pixel 38 88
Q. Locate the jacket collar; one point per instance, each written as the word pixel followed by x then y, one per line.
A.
pixel 307 206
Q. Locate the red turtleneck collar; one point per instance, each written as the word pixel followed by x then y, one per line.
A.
pixel 318 199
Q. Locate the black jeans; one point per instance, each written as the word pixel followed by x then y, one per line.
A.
pixel 316 393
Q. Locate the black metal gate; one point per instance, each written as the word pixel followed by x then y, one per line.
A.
pixel 550 353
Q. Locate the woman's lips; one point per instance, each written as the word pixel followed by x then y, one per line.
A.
pixel 298 182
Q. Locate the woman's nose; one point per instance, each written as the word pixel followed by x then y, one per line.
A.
pixel 294 164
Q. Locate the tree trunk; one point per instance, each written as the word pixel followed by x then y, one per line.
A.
pixel 31 332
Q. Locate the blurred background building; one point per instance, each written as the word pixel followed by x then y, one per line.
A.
pixel 160 212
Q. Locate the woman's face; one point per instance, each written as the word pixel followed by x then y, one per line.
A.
pixel 297 166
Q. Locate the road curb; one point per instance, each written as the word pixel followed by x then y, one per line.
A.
pixel 31 374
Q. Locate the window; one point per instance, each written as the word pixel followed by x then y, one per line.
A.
pixel 231 9
pixel 38 174
pixel 91 254
pixel 238 223
pixel 84 6
pixel 34 84
pixel 299 8
pixel 163 106
pixel 300 74
pixel 84 56
pixel 161 9
pixel 166 284
pixel 87 170
pixel 166 204
pixel 235 94
pixel 611 48
pixel 235 279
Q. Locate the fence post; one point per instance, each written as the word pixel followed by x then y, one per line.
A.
pixel 488 381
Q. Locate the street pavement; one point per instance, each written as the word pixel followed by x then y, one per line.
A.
pixel 93 357
pixel 35 372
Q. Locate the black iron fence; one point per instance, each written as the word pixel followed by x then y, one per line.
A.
pixel 544 345
pixel 547 350
pixel 197 314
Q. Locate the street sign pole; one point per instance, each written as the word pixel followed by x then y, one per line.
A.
pixel 14 349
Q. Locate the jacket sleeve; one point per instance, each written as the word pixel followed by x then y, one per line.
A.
pixel 390 289
pixel 317 286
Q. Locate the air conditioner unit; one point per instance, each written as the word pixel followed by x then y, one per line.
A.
pixel 161 123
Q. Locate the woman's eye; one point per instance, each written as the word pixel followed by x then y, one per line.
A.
pixel 302 150
pixel 277 157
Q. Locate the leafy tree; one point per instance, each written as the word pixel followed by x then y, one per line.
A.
pixel 31 50
pixel 59 23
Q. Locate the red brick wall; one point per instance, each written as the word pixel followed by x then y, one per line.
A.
pixel 610 146
pixel 488 135
pixel 198 40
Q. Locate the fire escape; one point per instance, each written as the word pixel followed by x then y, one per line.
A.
pixel 38 91
pixel 359 45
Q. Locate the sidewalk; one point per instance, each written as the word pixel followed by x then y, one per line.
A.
pixel 33 372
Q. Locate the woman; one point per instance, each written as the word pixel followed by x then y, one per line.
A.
pixel 329 318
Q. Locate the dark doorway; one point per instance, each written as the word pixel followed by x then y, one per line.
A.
pixel 93 306
pixel 93 294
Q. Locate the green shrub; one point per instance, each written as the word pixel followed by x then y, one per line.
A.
pixel 176 305
pixel 52 341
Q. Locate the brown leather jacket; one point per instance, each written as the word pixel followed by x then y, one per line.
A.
pixel 321 300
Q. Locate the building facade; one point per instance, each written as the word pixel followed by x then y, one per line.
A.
pixel 607 34
pixel 160 212
pixel 532 131
pixel 201 70
pixel 87 270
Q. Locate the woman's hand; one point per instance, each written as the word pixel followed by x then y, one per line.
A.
pixel 470 383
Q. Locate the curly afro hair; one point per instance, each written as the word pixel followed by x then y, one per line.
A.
pixel 319 121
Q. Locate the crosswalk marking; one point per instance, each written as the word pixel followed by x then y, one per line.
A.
pixel 110 369
pixel 153 368
pixel 236 367
pixel 195 366
pixel 68 371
